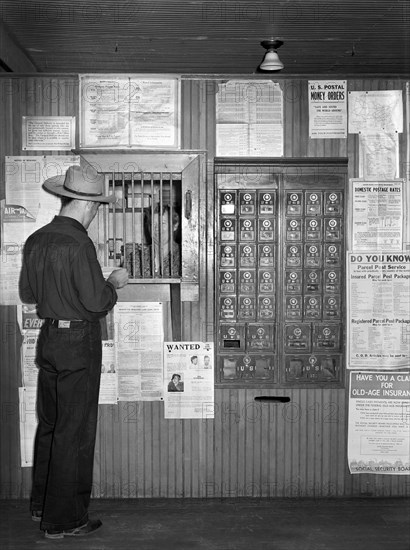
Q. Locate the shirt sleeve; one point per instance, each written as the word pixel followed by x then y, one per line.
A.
pixel 25 289
pixel 94 292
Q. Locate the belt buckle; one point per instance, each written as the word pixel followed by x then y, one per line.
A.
pixel 63 324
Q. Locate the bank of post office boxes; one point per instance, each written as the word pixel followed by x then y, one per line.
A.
pixel 280 283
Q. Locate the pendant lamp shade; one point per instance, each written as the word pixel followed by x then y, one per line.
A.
pixel 271 61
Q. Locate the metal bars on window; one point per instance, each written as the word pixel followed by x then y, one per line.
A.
pixel 142 229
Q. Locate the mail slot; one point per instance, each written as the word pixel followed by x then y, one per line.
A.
pixel 232 337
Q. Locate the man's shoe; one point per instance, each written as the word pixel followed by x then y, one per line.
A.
pixel 36 515
pixel 86 529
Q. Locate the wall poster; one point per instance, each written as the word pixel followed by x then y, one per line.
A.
pixel 373 111
pixel 377 215
pixel 27 208
pixel 129 111
pixel 249 118
pixel 379 156
pixel 378 310
pixel 189 380
pixel 379 423
pixel 50 133
pixel 327 109
pixel 139 338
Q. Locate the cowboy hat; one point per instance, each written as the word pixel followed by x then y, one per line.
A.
pixel 81 182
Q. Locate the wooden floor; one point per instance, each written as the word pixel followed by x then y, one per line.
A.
pixel 241 524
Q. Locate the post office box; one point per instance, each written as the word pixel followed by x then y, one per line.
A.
pixel 298 337
pixel 294 203
pixel 266 255
pixel 247 202
pixel 228 231
pixel 266 203
pixel 227 202
pixel 247 281
pixel 227 281
pixel 247 255
pixel 247 231
pixel 227 255
pixel 260 336
pixel 313 203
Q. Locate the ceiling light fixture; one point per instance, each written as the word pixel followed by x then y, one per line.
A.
pixel 271 61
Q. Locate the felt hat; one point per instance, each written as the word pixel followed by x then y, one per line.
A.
pixel 80 182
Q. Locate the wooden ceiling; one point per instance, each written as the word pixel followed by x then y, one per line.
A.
pixel 344 37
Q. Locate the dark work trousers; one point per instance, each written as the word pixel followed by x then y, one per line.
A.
pixel 69 361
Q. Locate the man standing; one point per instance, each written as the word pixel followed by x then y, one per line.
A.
pixel 61 274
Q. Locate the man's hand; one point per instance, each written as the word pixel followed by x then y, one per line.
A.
pixel 119 277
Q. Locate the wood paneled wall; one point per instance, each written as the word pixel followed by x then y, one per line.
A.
pixel 250 448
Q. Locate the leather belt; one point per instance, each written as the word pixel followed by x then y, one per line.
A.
pixel 65 323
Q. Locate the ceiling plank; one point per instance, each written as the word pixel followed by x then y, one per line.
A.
pixel 12 56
